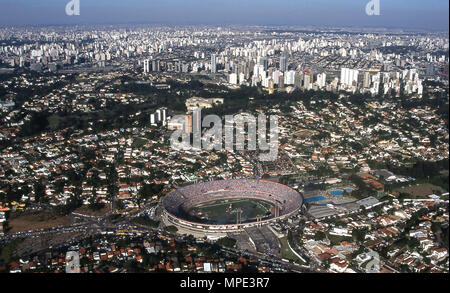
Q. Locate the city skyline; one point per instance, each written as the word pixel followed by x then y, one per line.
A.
pixel 199 138
pixel 432 15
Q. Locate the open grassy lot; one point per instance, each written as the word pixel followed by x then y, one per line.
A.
pixel 419 191
pixel 286 252
pixel 23 222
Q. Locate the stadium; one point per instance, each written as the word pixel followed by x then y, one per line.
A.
pixel 225 206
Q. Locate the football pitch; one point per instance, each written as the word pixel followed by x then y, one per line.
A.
pixel 226 211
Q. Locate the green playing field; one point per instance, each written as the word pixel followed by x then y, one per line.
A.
pixel 225 211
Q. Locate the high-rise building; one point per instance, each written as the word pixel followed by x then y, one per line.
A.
pixel 263 62
pixel 308 80
pixel 289 78
pixel 367 80
pixel 170 67
pixel 177 124
pixel 188 124
pixel 281 82
pixel 349 77
pixel 283 64
pixel 185 68
pixel 276 76
pixel 159 115
pixel 213 63
pixel 321 80
pixel 255 80
pixel 271 87
pixel 430 70
pixel 242 78
pixel 146 66
pixel 155 66
pixel 233 78
pixel 164 113
pixel 153 118
pixel 298 80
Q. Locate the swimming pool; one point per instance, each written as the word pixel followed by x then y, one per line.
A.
pixel 315 198
pixel 337 192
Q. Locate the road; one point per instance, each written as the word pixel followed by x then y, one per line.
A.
pixel 91 225
pixel 270 260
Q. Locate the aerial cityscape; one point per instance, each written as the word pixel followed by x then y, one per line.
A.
pixel 229 147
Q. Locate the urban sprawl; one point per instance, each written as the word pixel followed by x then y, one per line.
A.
pixel 86 159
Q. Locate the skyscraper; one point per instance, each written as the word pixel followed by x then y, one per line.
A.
pixel 367 80
pixel 159 115
pixel 283 64
pixel 271 87
pixel 164 113
pixel 281 81
pixel 188 124
pixel 289 78
pixel 263 62
pixel 321 80
pixel 213 63
pixel 298 80
pixel 146 66
pixel 308 80
pixel 155 65
pixel 349 77
pixel 153 119
pixel 276 76
pixel 233 78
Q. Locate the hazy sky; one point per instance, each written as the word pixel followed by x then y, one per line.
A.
pixel 425 14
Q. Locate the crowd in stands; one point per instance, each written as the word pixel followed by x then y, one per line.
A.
pixel 190 196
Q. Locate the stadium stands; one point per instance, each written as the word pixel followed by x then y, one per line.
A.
pixel 178 203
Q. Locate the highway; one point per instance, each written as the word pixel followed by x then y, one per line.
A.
pixel 95 225
pixel 271 261
pixel 91 225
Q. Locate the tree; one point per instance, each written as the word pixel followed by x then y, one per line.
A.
pixel 320 236
pixel 359 234
pixel 151 260
pixel 39 191
pixel 132 266
pixel 413 243
pixel 149 190
pixel 119 205
pixel 227 242
pixel 171 229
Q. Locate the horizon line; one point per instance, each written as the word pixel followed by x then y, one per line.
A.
pixel 172 24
